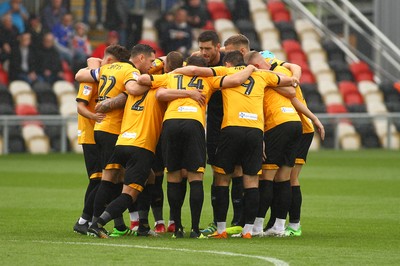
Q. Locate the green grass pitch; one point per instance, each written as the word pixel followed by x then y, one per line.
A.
pixel 350 216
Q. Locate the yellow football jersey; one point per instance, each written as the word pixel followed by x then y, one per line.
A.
pixel 87 93
pixel 142 121
pixel 277 108
pixel 305 121
pixel 185 108
pixel 274 62
pixel 112 79
pixel 243 105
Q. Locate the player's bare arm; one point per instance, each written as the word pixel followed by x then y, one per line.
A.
pixel 117 102
pixel 144 80
pixel 300 107
pixel 166 95
pixel 84 75
pixel 134 88
pixel 287 91
pixel 238 78
pixel 194 71
pixel 295 69
pixel 93 62
pixel 287 81
pixel 85 112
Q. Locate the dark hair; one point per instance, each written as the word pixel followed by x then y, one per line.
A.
pixel 196 60
pixel 235 58
pixel 207 36
pixel 120 53
pixel 142 49
pixel 174 60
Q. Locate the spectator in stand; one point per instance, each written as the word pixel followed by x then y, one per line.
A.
pixel 17 11
pixel 49 60
pixel 162 25
pixel 197 13
pixel 112 38
pixel 37 31
pixel 8 37
pixel 23 63
pixel 65 3
pixel 63 33
pixel 52 14
pixel 81 46
pixel 117 18
pixel 134 31
pixel 179 35
pixel 99 10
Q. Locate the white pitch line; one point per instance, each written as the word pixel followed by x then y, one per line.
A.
pixel 274 261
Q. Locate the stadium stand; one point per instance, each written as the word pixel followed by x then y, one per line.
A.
pixel 18 86
pixel 348 137
pixel 35 139
pixel 3 76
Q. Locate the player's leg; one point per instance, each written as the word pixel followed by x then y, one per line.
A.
pixel 157 195
pixel 175 200
pixel 144 202
pixel 196 201
pixel 251 150
pixel 237 195
pixel 289 134
pixel 137 173
pixel 294 227
pixel 93 169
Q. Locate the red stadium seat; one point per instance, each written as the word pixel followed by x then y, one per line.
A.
pixel 3 76
pixel 209 25
pixel 336 109
pixel 297 56
pixel 218 10
pixel 307 77
pixel 364 76
pixel 353 98
pixel 24 109
pixel 361 71
pixel 276 6
pixel 359 67
pixel 281 16
pixel 346 87
pixel 291 46
pixel 68 74
pixel 303 64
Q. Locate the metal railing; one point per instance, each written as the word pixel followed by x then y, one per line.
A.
pixel 7 121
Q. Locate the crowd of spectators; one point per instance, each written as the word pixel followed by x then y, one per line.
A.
pixel 27 39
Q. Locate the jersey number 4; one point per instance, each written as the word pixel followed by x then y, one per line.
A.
pixel 193 83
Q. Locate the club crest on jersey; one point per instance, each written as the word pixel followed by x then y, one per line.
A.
pixel 135 75
pixel 87 90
